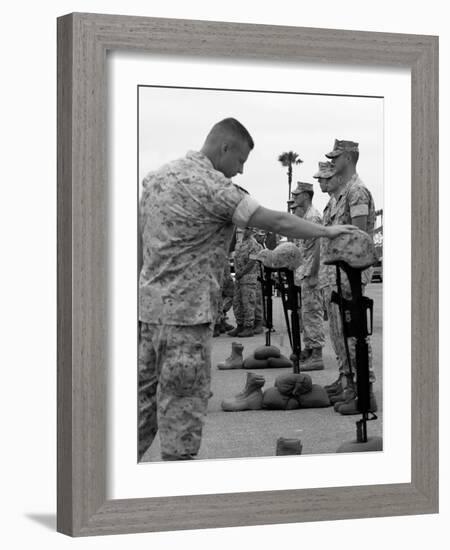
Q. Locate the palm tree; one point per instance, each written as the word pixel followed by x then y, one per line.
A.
pixel 289 159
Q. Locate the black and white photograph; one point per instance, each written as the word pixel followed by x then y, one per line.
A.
pixel 260 273
pixel 221 274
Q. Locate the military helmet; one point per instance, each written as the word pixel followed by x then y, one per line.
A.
pixel 355 249
pixel 285 255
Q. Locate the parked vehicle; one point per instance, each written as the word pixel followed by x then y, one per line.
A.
pixel 377 274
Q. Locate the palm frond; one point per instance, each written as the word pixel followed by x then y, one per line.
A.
pixel 289 158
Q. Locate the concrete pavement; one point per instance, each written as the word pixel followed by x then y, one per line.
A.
pixel 254 433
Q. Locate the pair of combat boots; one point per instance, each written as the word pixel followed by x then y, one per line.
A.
pixel 236 358
pixel 244 332
pixel 221 328
pixel 250 398
pixel 311 359
pixel 345 399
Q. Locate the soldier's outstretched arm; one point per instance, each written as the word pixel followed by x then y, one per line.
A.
pixel 293 226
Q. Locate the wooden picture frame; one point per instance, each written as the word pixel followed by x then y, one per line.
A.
pixel 83 41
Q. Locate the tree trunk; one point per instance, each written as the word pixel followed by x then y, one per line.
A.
pixel 289 184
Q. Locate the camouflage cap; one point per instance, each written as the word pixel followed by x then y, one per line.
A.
pixel 302 187
pixel 355 249
pixel 326 171
pixel 342 146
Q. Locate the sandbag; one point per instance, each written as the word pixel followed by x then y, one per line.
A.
pixel 252 363
pixel 293 384
pixel 279 362
pixel 292 404
pixel 264 352
pixel 274 400
pixel 315 399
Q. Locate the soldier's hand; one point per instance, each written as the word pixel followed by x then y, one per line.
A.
pixel 334 231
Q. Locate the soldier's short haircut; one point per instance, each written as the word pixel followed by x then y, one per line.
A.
pixel 235 128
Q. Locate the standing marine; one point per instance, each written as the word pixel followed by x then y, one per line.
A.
pixel 350 202
pixel 307 277
pixel 246 271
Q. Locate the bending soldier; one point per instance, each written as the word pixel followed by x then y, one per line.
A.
pixel 188 211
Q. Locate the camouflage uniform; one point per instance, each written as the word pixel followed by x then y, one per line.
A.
pixel 178 381
pixel 187 214
pixel 312 299
pixel 227 291
pixel 327 281
pixel 245 288
pixel 226 296
pixel 354 200
pixel 259 313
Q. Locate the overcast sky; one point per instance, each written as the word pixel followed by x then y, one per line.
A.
pixel 173 121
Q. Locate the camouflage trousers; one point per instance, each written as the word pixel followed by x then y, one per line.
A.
pixel 226 296
pixel 224 305
pixel 174 387
pixel 312 316
pixel 337 337
pixel 244 303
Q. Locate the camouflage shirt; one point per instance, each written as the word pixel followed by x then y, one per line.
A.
pixel 307 246
pixel 187 214
pixel 242 258
pixel 353 200
pixel 326 272
pixel 326 220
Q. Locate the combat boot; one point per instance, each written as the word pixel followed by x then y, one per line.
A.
pixel 235 360
pixel 286 446
pixel 335 387
pixel 225 327
pixel 305 355
pixel 258 328
pixel 248 331
pixel 345 397
pixel 252 382
pixel 236 331
pixel 250 398
pixel 347 394
pixel 351 406
pixel 314 362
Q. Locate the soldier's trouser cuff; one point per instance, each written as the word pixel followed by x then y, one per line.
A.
pixel 147 385
pixel 183 390
pixel 174 387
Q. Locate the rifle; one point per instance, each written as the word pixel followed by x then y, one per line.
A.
pixel 291 300
pixel 267 286
pixel 356 313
